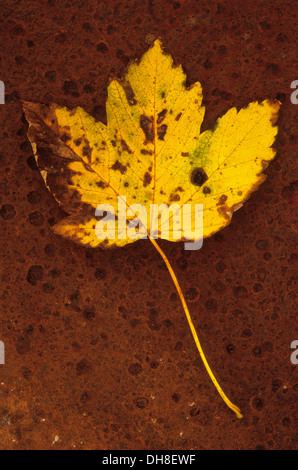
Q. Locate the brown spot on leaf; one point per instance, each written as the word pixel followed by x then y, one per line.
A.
pixel 146 152
pixel 198 176
pixel 120 167
pixel 206 190
pixel 87 150
pixel 147 127
pixel 161 116
pixel 147 179
pixel 78 142
pixel 129 93
pixel 222 200
pixel 184 154
pixel 178 117
pixel 161 131
pixel 87 209
pixel 100 184
pixel 174 197
pixel 65 137
pixel 125 147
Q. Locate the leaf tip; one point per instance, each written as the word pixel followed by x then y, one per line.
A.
pixel 157 43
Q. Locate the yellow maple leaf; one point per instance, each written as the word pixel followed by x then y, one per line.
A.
pixel 151 152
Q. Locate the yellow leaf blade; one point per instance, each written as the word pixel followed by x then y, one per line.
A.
pixel 151 150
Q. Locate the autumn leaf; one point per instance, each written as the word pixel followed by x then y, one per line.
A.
pixel 151 152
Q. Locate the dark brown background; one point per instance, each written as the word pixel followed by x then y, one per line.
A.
pixel 98 351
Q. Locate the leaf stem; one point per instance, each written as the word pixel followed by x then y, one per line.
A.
pixel 194 333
